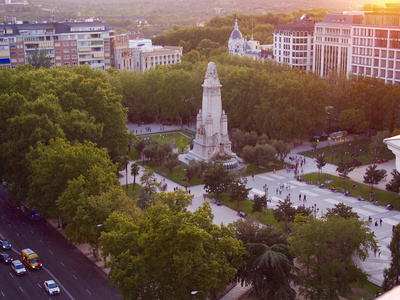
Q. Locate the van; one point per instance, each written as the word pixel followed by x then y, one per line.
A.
pixel 31 259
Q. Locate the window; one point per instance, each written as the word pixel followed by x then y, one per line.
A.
pixel 57 44
pixel 66 44
pixel 13 53
pixel 20 46
pixel 14 60
pixel 12 47
pixel 21 60
pixel 66 56
pixel 20 53
pixel 66 50
pixel 58 57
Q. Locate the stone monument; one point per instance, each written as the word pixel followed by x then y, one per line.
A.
pixel 212 140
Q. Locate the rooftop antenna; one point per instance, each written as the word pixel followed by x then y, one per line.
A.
pixel 252 27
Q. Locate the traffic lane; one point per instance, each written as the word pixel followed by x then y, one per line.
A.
pixel 27 286
pixel 69 266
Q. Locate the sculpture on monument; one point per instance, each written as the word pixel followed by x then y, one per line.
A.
pixel 212 140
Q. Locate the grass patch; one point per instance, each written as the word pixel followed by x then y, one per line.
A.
pixel 347 151
pixel 370 290
pixel 132 192
pixel 384 197
pixel 246 206
pixel 252 169
pixel 177 175
pixel 181 140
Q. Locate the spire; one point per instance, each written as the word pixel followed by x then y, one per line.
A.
pixel 236 23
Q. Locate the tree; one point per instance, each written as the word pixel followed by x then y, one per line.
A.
pixel 394 183
pixel 171 161
pixel 314 145
pixel 378 148
pixel 149 185
pixel 325 249
pixel 373 176
pixel 268 269
pixel 216 179
pixel 344 168
pixel 286 212
pixel 238 191
pixel 320 164
pixel 259 155
pixel 196 254
pixel 391 276
pixel 191 170
pixel 39 59
pixel 350 118
pixel 259 202
pixel 341 210
pixel 134 172
pixel 53 165
pixel 282 149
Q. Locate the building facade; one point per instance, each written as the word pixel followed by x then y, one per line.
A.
pixel 66 44
pixel 139 54
pixel 365 44
pixel 293 44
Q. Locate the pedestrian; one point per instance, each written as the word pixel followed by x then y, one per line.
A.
pixel 374 252
pixel 189 192
pixel 379 253
pixel 376 223
pixel 277 191
pixel 380 222
pixel 393 228
pixel 299 197
pixel 305 198
pixel 252 176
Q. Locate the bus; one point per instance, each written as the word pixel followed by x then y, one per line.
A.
pixel 32 214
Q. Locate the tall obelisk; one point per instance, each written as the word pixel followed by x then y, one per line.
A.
pixel 212 140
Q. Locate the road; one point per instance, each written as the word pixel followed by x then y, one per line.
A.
pixel 77 276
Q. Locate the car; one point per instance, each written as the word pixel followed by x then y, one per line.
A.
pixel 5 245
pixel 5 258
pixel 18 267
pixel 51 287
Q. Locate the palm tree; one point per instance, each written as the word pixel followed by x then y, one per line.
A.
pixel 134 172
pixel 268 269
pixel 320 164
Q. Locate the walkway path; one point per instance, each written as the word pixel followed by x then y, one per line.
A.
pixel 320 199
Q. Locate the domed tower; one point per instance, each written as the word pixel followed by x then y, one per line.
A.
pixel 236 41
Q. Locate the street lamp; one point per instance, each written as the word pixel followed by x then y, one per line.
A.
pixel 196 292
pixel 265 187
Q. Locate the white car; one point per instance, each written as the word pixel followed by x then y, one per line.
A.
pixel 18 267
pixel 51 287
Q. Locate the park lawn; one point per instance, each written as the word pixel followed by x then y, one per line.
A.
pixel 177 175
pixel 344 151
pixel 133 192
pixel 181 140
pixel 246 206
pixel 253 170
pixel 363 190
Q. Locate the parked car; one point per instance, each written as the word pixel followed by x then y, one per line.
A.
pixel 18 267
pixel 5 245
pixel 51 287
pixel 5 258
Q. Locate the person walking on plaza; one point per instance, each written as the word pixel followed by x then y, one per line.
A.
pixel 299 197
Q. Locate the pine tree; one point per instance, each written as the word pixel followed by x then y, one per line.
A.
pixel 391 276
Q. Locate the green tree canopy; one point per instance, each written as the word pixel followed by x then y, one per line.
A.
pixel 166 254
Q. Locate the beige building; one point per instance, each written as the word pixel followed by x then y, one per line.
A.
pixel 139 54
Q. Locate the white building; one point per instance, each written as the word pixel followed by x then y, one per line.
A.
pixel 237 45
pixel 139 54
pixel 293 44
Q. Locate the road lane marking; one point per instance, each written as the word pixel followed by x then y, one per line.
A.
pixel 21 289
pixel 62 264
pixel 277 176
pixel 308 193
pixel 295 182
pixel 41 241
pixel 267 178
pixel 375 208
pixel 17 234
pixel 74 277
pixel 3 294
pixel 51 252
pixel 59 283
pixel 38 284
pixel 9 224
pixel 88 292
pixel 31 231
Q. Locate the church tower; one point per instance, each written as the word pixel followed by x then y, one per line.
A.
pixel 236 41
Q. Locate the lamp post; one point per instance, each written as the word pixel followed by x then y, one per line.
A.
pixel 196 292
pixel 265 187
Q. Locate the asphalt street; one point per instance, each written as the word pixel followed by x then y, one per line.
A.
pixel 77 276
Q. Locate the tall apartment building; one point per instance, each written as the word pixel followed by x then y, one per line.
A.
pixel 71 43
pixel 293 44
pixel 332 44
pixel 366 44
pixel 139 54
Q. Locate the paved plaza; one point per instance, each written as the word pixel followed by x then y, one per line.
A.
pixel 321 199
